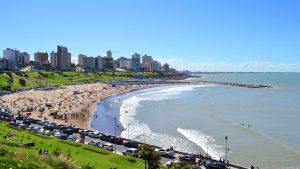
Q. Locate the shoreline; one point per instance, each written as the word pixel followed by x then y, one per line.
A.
pixel 79 108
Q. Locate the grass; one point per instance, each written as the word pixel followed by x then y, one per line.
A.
pixel 10 80
pixel 81 155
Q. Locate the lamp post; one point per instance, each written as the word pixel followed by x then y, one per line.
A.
pixel 128 130
pixel 207 147
pixel 115 134
pixel 226 138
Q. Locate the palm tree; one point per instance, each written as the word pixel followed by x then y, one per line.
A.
pixel 151 158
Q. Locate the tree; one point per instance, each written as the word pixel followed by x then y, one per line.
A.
pixel 22 82
pixel 182 165
pixel 150 157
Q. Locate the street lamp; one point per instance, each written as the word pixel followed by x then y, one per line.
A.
pixel 115 134
pixel 226 138
pixel 128 130
pixel 207 147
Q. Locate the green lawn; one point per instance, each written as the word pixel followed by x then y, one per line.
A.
pixel 82 154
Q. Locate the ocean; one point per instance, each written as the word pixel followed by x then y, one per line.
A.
pixel 262 125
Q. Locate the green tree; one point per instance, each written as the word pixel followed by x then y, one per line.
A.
pixel 150 157
pixel 22 82
pixel 182 165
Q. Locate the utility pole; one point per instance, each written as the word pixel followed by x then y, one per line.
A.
pixel 115 134
pixel 226 138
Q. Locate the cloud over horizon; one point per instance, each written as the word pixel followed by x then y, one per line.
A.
pixel 222 66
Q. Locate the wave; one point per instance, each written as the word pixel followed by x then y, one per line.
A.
pixel 207 143
pixel 140 131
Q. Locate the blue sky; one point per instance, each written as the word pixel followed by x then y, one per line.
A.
pixel 215 35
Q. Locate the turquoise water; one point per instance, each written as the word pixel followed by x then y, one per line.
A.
pixel 262 125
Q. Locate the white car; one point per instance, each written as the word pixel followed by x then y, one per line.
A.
pixel 107 146
pixel 131 152
pixel 95 143
pixel 166 152
pixel 57 135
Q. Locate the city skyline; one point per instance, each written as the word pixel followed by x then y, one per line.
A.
pixel 198 35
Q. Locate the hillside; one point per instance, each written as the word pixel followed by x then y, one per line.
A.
pixel 17 80
pixel 65 154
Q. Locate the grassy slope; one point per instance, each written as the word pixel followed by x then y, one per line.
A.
pixel 104 159
pixel 36 79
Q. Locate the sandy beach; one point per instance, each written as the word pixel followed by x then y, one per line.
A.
pixel 72 105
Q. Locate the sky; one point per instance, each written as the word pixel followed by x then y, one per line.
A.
pixel 197 35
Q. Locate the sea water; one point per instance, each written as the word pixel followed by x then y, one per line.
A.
pixel 262 125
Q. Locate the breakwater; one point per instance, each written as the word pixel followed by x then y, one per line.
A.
pixel 238 84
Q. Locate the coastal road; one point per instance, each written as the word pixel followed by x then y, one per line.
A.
pixel 119 148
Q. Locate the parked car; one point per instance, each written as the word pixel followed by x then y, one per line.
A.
pixel 119 140
pixel 131 152
pixel 108 146
pixel 69 131
pixel 104 137
pixel 22 126
pixel 95 143
pixel 95 135
pixel 61 136
pixel 166 152
pixel 131 144
pixel 27 121
pixel 189 157
pixel 216 165
pixel 72 138
pixel 14 124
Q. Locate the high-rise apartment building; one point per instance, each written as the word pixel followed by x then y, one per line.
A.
pixel 81 59
pixel 13 56
pixel 41 57
pixel 146 62
pixel 99 63
pixel 155 66
pixel 125 63
pixel 136 62
pixel 61 60
pixel 24 59
pixel 165 68
pixel 109 54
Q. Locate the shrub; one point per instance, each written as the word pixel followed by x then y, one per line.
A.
pixel 22 82
pixel 88 166
pixel 9 74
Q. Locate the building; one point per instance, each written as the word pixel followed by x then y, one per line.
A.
pixel 90 63
pixel 5 64
pixel 109 54
pixel 125 63
pixel 81 59
pixel 108 63
pixel 61 60
pixel 155 66
pixel 136 62
pixel 24 59
pixel 53 58
pixel 99 63
pixel 165 68
pixel 13 56
pixel 41 57
pixel 146 62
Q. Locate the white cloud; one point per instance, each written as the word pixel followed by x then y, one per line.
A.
pixel 222 66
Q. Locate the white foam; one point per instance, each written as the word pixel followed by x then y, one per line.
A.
pixel 203 141
pixel 140 131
